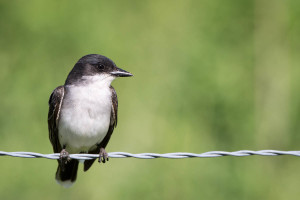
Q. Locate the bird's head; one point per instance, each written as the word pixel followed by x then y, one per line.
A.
pixel 95 66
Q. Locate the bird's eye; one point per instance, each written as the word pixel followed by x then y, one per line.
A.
pixel 100 66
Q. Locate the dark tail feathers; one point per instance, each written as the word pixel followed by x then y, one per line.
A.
pixel 67 176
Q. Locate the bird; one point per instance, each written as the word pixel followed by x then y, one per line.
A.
pixel 83 114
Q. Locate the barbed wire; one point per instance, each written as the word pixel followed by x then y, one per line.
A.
pixel 176 155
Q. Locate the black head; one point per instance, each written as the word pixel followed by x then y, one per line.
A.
pixel 94 64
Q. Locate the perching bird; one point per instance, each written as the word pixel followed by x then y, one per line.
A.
pixel 83 114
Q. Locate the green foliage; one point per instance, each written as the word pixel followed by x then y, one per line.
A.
pixel 208 75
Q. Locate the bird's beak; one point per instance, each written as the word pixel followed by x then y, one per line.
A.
pixel 120 73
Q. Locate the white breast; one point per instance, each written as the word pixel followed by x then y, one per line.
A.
pixel 85 114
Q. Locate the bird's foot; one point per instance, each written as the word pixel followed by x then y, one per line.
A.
pixel 64 158
pixel 103 156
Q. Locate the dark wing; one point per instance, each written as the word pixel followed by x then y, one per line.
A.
pixel 55 103
pixel 113 117
pixel 113 124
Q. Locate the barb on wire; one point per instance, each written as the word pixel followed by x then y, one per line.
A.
pixel 176 155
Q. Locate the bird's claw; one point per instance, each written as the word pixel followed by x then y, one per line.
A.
pixel 64 157
pixel 103 156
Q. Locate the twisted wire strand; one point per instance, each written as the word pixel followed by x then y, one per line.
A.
pixel 176 155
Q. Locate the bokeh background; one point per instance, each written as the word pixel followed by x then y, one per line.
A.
pixel 208 75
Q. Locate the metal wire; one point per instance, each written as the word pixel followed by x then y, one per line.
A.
pixel 176 155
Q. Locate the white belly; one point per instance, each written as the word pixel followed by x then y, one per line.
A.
pixel 85 117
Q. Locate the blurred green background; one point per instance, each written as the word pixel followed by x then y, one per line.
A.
pixel 208 75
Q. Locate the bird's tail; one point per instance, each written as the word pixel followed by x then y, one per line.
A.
pixel 67 176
